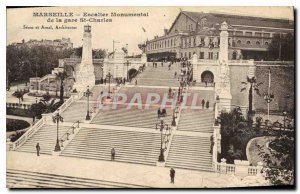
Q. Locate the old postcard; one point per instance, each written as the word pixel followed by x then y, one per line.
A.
pixel 150 97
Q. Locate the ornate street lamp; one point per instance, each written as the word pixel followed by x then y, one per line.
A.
pixel 127 64
pixel 56 118
pixel 284 119
pixel 269 96
pixel 87 94
pixel 109 75
pixel 161 125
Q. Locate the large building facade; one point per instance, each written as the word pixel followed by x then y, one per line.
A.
pixel 197 32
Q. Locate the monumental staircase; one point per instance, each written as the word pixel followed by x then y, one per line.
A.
pixel 190 152
pixel 46 137
pixel 130 146
pixel 133 117
pixel 160 76
pixel 196 120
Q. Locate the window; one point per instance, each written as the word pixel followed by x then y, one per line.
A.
pixel 239 42
pixel 239 33
pixel 248 42
pixel 185 54
pixel 181 55
pixel 257 34
pixel 217 55
pixel 267 35
pixel 257 43
pixel 190 55
pixel 171 42
pixel 201 56
pixel 266 43
pixel 248 34
pixel 210 55
pixel 203 22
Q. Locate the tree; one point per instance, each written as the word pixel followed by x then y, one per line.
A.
pixel 46 105
pixel 24 62
pixel 279 166
pixel 19 94
pixel 253 85
pixel 61 76
pixel 282 47
pixel 235 132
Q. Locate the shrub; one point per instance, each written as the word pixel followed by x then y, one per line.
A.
pixel 14 125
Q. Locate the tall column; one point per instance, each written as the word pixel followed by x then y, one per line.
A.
pixel 223 87
pixel 85 75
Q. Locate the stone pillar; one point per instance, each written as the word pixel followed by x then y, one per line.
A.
pixel 223 87
pixel 223 166
pixel 223 56
pixel 241 167
pixel 144 59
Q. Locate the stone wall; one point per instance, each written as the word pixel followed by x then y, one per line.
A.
pixel 282 84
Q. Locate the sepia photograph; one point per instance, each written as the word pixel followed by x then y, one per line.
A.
pixel 150 97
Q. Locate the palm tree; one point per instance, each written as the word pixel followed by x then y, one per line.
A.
pixel 47 106
pixel 253 86
pixel 61 76
pixel 19 94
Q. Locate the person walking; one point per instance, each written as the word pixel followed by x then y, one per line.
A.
pixel 207 104
pixel 172 175
pixel 158 113
pixel 113 154
pixel 135 82
pixel 38 148
pixel 203 103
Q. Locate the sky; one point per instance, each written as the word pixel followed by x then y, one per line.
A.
pixel 123 30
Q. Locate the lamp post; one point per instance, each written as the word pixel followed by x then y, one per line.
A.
pixel 87 94
pixel 173 121
pixel 286 102
pixel 161 125
pixel 56 118
pixel 127 64
pixel 269 96
pixel 109 75
pixel 284 119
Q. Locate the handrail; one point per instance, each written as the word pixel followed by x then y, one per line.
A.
pixel 69 132
pixel 65 105
pixel 28 134
pixel 166 139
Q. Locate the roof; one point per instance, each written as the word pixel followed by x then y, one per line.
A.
pixel 241 20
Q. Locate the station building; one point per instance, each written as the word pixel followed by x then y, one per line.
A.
pixel 198 32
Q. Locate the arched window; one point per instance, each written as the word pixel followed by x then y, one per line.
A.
pixel 248 42
pixel 239 42
pixel 266 43
pixel 257 43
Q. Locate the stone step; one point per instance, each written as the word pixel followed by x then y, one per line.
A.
pixel 17 178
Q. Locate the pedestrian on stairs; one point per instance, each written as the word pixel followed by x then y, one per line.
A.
pixel 207 104
pixel 158 113
pixel 172 175
pixel 113 154
pixel 203 103
pixel 38 148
